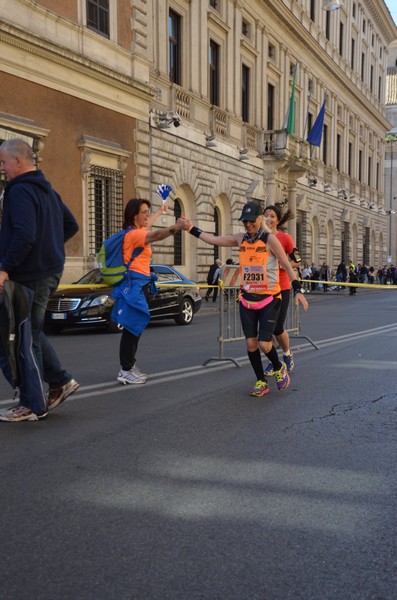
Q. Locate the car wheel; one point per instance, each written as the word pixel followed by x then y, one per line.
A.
pixel 186 312
pixel 112 327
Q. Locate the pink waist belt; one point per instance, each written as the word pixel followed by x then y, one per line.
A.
pixel 257 304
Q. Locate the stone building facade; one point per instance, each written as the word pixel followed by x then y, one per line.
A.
pixel 119 96
pixel 391 155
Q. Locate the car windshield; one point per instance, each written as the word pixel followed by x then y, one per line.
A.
pixel 93 276
pixel 165 273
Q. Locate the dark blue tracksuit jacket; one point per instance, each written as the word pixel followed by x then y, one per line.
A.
pixel 35 226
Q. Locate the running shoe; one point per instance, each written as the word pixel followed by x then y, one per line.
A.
pixel 138 372
pixel 261 388
pixel 289 361
pixel 282 377
pixel 269 371
pixel 20 413
pixel 59 394
pixel 127 377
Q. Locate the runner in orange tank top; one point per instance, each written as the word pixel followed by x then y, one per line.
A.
pixel 260 297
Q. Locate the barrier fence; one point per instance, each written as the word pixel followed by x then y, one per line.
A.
pixel 230 329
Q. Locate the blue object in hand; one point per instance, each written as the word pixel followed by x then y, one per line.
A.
pixel 164 191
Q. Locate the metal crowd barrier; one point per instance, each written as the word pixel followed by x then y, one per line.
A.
pixel 230 329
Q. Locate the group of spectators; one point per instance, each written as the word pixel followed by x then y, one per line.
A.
pixel 352 273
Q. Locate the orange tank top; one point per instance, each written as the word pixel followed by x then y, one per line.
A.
pixel 258 268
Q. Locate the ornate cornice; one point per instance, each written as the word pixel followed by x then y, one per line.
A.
pixel 31 44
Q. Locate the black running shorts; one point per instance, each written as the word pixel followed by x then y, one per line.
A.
pixel 260 323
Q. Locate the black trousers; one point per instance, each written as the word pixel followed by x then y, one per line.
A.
pixel 128 348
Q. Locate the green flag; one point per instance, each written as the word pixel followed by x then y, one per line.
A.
pixel 291 108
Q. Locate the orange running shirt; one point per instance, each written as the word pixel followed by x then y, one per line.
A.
pixel 259 270
pixel 136 239
pixel 288 244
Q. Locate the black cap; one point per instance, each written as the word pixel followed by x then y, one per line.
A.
pixel 251 211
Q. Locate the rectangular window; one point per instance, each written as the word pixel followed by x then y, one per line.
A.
pixel 350 160
pixel 353 53
pixel 362 66
pixel 178 235
pixel 328 25
pixel 174 47
pixel 380 89
pixel 98 16
pixel 369 171
pixel 371 79
pixel 325 144
pixel 313 9
pixel 214 72
pixel 366 246
pixel 270 106
pixel 341 34
pixel 377 176
pixel 309 122
pixel 105 205
pixel 360 165
pixel 338 151
pixel 245 93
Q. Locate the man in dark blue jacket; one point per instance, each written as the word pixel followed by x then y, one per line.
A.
pixel 35 226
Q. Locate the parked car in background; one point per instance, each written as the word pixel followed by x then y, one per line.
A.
pixel 91 307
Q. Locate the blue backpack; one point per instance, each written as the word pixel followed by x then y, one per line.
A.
pixel 110 258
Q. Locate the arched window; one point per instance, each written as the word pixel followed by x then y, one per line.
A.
pixel 178 235
pixel 216 221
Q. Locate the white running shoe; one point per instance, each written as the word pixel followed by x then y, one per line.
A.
pixel 138 372
pixel 126 377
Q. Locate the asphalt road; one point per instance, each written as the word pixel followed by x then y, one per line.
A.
pixel 186 488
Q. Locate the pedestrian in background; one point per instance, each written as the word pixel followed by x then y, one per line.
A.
pixel 213 279
pixel 353 278
pixel 315 276
pixel 35 226
pixel 325 275
pixel 306 275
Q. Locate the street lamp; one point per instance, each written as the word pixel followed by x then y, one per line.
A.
pixel 332 5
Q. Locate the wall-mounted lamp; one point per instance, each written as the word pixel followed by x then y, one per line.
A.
pixel 164 120
pixel 390 212
pixel 312 180
pixel 243 154
pixel 371 205
pixel 342 194
pixel 332 4
pixel 209 140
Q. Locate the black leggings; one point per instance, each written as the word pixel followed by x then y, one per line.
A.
pixel 128 348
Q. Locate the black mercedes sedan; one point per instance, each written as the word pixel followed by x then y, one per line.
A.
pixel 83 306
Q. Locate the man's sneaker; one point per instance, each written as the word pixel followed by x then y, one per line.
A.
pixel 126 377
pixel 20 413
pixel 289 361
pixel 269 371
pixel 138 372
pixel 57 395
pixel 282 377
pixel 261 388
